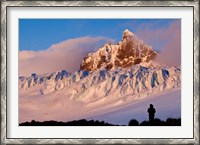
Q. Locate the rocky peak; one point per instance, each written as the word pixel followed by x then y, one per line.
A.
pixel 129 52
pixel 127 35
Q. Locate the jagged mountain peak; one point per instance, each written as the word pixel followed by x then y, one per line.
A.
pixel 127 32
pixel 126 35
pixel 125 54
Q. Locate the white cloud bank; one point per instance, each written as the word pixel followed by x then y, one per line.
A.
pixel 65 55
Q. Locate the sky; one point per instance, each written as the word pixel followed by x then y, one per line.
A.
pixel 47 45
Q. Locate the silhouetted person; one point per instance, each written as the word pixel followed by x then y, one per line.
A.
pixel 151 112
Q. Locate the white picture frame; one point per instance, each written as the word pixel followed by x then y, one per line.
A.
pixel 6 79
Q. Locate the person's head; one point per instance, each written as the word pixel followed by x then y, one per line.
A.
pixel 151 105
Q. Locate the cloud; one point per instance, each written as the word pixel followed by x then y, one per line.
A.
pixel 65 55
pixel 167 40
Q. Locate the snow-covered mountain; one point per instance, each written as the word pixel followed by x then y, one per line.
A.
pixel 112 77
pixel 87 86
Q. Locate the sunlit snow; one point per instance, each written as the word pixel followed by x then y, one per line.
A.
pixel 114 96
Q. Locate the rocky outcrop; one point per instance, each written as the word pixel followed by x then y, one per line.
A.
pixel 129 52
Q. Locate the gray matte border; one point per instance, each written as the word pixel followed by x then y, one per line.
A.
pixel 5 4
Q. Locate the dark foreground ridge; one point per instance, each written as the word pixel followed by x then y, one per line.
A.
pixel 84 122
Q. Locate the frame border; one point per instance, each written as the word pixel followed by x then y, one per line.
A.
pixel 6 4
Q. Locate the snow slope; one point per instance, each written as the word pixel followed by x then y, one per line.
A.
pixel 64 96
pixel 167 104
